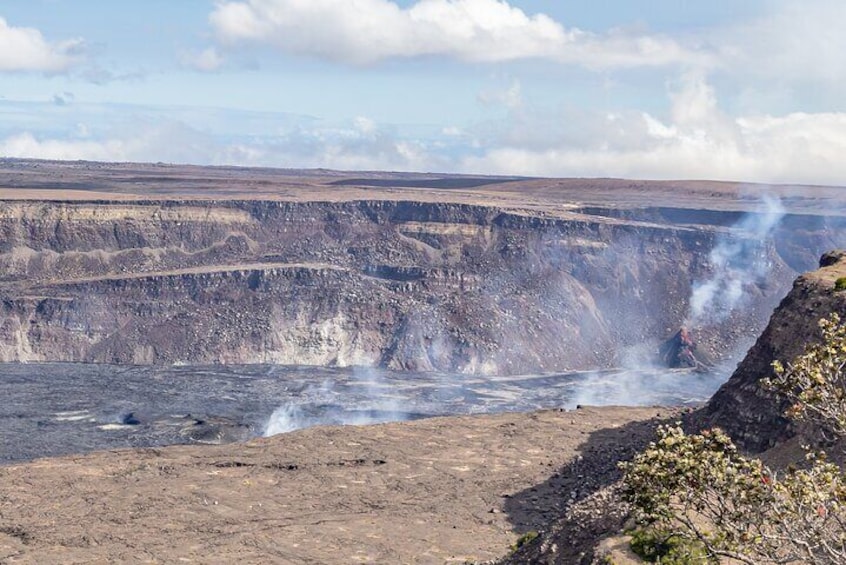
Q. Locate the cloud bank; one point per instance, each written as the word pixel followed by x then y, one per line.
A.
pixel 697 141
pixel 354 145
pixel 25 49
pixel 367 31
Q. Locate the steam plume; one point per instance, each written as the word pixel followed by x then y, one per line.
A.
pixel 362 397
pixel 737 263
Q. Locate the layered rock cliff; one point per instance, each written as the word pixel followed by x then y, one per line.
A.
pixel 402 284
pixel 751 415
pixel 135 263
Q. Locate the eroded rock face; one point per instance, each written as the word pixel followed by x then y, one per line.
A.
pixel 149 264
pixel 752 416
pixel 396 283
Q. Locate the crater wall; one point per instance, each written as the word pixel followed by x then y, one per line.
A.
pixel 395 283
pixel 753 416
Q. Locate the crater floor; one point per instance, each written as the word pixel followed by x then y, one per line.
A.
pixel 55 409
pixel 438 490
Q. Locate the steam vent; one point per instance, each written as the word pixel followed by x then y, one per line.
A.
pixel 191 357
pixel 680 351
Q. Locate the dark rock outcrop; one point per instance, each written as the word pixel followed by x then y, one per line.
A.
pixel 752 416
pixel 680 351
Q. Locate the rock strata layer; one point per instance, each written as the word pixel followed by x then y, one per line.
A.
pixel 486 279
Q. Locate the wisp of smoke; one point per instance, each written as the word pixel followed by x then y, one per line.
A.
pixel 284 419
pixel 292 416
pixel 737 262
pixel 364 398
pixel 645 387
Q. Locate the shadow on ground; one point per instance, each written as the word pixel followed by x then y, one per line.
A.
pixel 546 507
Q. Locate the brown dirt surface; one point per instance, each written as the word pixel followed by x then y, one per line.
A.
pixel 92 181
pixel 441 490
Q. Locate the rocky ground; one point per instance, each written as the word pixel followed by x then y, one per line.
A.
pixel 441 490
pixel 159 264
pixel 149 264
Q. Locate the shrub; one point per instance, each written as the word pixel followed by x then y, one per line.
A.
pixel 814 382
pixel 524 539
pixel 698 489
pixel 697 492
pixel 653 546
pixel 840 284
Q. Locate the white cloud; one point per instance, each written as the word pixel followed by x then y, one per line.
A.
pixel 25 49
pixel 797 40
pixel 26 145
pixel 361 144
pixel 141 140
pixel 699 141
pixel 696 139
pixel 364 125
pixel 367 31
pixel 207 60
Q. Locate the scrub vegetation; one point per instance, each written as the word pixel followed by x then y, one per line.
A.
pixel 697 499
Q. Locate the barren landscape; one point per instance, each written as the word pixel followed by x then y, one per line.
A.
pixel 407 272
pixel 442 490
pixel 151 305
pixel 465 282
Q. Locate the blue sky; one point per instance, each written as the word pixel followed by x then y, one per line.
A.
pixel 750 90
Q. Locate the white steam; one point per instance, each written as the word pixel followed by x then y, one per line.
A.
pixel 364 398
pixel 371 396
pixel 645 387
pixel 737 262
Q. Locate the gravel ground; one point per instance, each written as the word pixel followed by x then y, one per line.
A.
pixel 437 490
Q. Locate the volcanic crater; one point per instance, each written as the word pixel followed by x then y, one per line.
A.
pixel 146 305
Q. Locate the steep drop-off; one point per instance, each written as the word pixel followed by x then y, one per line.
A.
pixel 750 414
pixel 160 264
pixel 402 284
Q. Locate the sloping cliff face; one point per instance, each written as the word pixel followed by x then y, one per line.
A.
pixel 402 284
pixel 751 415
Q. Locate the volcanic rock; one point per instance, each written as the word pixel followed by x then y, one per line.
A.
pixel 414 492
pixel 753 416
pixel 680 351
pixel 145 264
